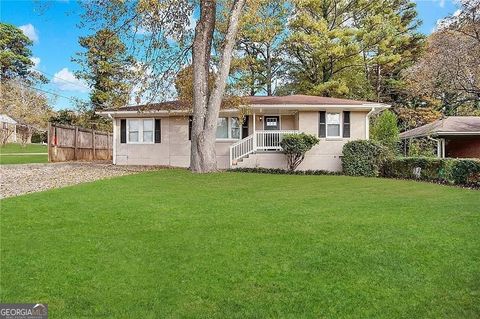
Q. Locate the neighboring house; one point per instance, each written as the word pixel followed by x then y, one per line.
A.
pixel 159 134
pixel 8 128
pixel 456 136
pixel 13 131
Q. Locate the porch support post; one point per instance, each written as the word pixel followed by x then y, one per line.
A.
pixel 114 140
pixel 443 147
pixel 254 133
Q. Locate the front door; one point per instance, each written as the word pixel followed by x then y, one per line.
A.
pixel 272 123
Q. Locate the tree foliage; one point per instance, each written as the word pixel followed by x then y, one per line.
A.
pixel 295 146
pixel 259 53
pixel 24 104
pixel 351 48
pixel 448 75
pixel 409 118
pixel 385 130
pixel 107 68
pixel 15 55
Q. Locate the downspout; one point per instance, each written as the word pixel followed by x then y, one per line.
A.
pixel 440 153
pixel 367 123
pixel 114 139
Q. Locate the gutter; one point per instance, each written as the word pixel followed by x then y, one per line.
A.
pixel 440 146
pixel 367 123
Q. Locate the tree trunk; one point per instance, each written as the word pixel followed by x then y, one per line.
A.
pixel 206 105
pixel 378 86
pixel 269 71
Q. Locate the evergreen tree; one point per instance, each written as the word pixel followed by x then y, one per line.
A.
pixel 15 55
pixel 259 61
pixel 107 68
pixel 353 48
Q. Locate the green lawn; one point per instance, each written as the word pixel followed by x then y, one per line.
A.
pixel 19 148
pixel 233 245
pixel 26 153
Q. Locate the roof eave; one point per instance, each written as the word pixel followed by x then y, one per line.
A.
pixel 438 134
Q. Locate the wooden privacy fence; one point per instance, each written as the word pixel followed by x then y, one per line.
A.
pixel 72 143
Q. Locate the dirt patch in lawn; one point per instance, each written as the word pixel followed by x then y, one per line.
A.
pixel 28 178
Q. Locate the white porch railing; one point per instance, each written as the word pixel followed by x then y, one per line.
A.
pixel 258 141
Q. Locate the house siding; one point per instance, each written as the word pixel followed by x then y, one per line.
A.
pixel 174 149
pixel 463 147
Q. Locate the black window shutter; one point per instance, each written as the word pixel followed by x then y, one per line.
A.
pixel 158 131
pixel 322 127
pixel 190 123
pixel 245 127
pixel 346 124
pixel 123 131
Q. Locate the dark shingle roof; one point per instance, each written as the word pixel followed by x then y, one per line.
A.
pixel 252 100
pixel 452 124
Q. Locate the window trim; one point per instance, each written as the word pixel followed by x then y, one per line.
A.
pixel 140 130
pixel 229 129
pixel 349 125
pixel 340 119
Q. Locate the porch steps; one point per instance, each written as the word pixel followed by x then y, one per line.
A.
pixel 258 141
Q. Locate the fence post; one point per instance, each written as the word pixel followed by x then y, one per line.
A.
pixel 49 142
pixel 108 145
pixel 93 143
pixel 76 144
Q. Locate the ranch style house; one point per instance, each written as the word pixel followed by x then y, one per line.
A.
pixel 159 134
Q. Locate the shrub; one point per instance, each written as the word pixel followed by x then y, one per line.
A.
pixel 295 146
pixel 385 131
pixel 39 137
pixel 261 170
pixel 464 172
pixel 421 147
pixel 423 168
pixel 363 158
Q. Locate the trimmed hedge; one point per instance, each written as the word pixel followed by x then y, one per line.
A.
pixel 261 170
pixel 465 172
pixel 363 158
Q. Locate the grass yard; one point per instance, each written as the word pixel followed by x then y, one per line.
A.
pixel 14 153
pixel 232 245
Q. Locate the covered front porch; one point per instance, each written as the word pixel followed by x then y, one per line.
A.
pixel 265 132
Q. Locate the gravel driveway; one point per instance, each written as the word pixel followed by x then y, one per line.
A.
pixel 28 178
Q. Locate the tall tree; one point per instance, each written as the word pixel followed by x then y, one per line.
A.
pixel 259 52
pixel 466 20
pixel 158 34
pixel 448 75
pixel 206 103
pixel 24 104
pixel 16 56
pixel 391 43
pixel 351 48
pixel 107 68
pixel 323 47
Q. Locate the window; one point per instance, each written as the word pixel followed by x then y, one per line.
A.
pixel 222 127
pixel 140 130
pixel 346 124
pixel 147 131
pixel 234 128
pixel 333 124
pixel 322 128
pixel 228 128
pixel 133 129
